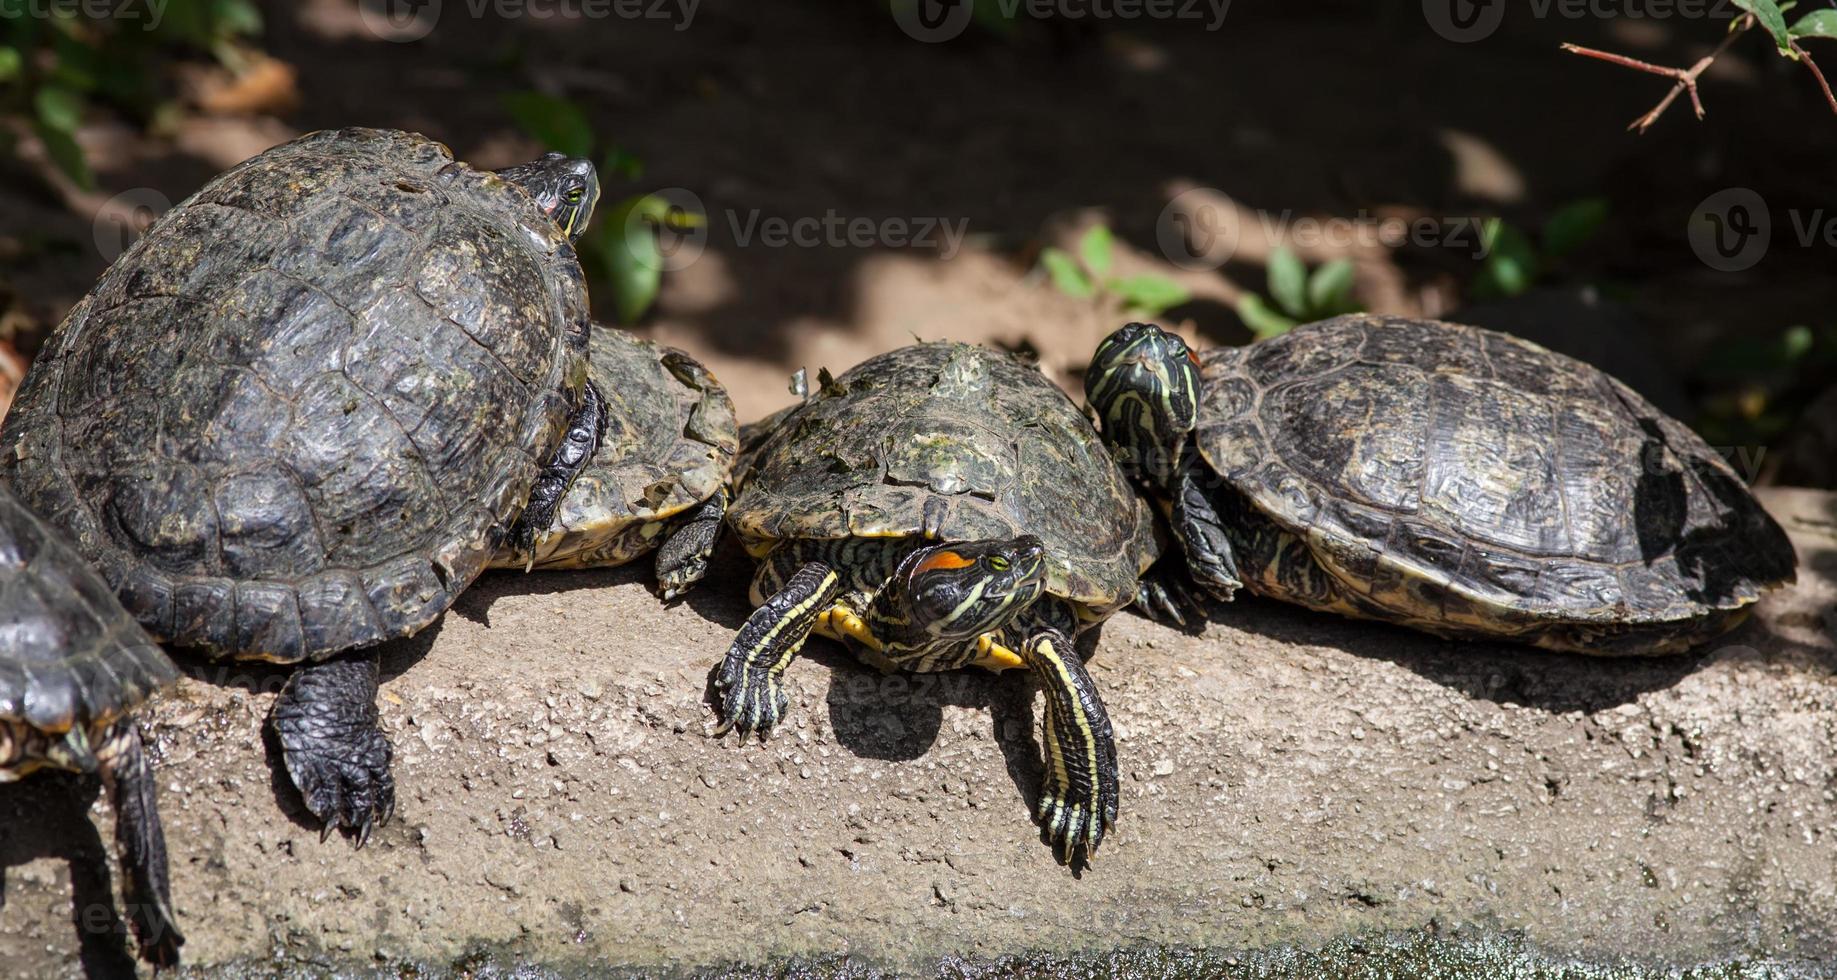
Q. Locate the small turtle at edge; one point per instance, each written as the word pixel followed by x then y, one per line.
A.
pixel 659 478
pixel 73 667
pixel 942 506
pixel 1456 480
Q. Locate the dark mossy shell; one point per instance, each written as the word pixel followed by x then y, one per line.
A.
pixel 1468 481
pixel 969 438
pixel 69 654
pixel 298 415
pixel 670 441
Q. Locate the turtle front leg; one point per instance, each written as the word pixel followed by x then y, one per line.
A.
pixel 1201 533
pixel 142 844
pixel 683 558
pixel 748 678
pixel 585 426
pixel 333 748
pixel 1165 594
pixel 1078 797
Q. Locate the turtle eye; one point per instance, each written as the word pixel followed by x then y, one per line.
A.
pixel 998 563
pixel 576 195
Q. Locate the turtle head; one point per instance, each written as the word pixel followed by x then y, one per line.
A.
pixel 565 187
pixel 957 592
pixel 1143 383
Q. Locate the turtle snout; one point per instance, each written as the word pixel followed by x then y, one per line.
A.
pixel 1029 560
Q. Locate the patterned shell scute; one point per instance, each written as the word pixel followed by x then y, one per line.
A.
pixel 1486 464
pixel 969 439
pixel 297 415
pixel 667 446
pixel 69 654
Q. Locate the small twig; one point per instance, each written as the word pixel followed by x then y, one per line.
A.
pixel 1686 77
pixel 1805 56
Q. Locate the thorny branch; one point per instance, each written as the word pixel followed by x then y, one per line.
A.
pixel 1687 77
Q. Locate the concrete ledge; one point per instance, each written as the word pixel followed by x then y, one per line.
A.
pixel 1288 778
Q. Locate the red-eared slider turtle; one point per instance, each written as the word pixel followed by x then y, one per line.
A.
pixel 1444 477
pixel 299 416
pixel 659 478
pixel 73 666
pixel 937 507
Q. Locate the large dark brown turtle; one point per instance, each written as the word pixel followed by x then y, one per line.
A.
pixel 299 416
pixel 943 506
pixel 1457 480
pixel 73 667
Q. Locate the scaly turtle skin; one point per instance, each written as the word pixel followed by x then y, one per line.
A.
pixel 73 666
pixel 1459 481
pixel 659 478
pixel 298 417
pixel 942 506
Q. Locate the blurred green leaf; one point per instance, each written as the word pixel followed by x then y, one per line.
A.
pixel 1149 295
pixel 237 17
pixel 1065 273
pixel 67 155
pixel 621 163
pixel 1573 225
pixel 59 108
pixel 1263 321
pixel 1797 342
pixel 10 64
pixel 625 244
pixel 1767 14
pixel 1329 288
pixel 556 123
pixel 1511 262
pixel 1818 23
pixel 1096 248
pixel 1288 281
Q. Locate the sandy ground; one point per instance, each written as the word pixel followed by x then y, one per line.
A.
pixel 1288 778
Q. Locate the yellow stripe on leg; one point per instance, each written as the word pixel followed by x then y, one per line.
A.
pixel 992 655
pixel 839 622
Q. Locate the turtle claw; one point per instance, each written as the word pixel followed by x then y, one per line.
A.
pixel 1167 595
pixel 332 748
pixel 752 701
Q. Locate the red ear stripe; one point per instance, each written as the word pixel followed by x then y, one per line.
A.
pixel 946 560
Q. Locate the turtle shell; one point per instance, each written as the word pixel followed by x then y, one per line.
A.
pixel 69 654
pixel 669 444
pixel 1468 482
pixel 951 442
pixel 298 415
